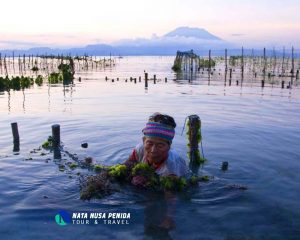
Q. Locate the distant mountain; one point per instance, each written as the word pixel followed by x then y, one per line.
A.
pixel 182 39
pixel 199 33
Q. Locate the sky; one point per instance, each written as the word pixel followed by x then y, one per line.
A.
pixel 69 23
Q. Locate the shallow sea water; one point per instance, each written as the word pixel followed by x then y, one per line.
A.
pixel 255 129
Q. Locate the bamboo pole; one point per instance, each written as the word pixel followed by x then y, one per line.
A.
pixel 194 138
pixel 226 60
pixel 282 66
pixel 242 63
pixel 16 137
pixel 56 141
pixel 13 61
pixel 209 60
pixel 0 64
pixel 146 80
pixel 293 63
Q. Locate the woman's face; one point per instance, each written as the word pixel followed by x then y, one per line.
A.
pixel 155 149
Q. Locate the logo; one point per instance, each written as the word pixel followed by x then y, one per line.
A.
pixel 62 218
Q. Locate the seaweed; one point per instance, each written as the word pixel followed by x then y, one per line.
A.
pixel 66 71
pixel 194 138
pixel 204 63
pixel 98 167
pixel 143 169
pixel 16 83
pixel 96 186
pixel 55 78
pixel 193 180
pixel 73 165
pixel 34 69
pixel 48 144
pixel 65 74
pixel 204 178
pixel 101 184
pixel 233 60
pixel 39 80
pixel 118 171
pixel 177 65
pixel 173 183
pixel 4 84
pixel 148 173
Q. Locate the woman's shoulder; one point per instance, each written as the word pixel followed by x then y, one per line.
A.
pixel 139 149
pixel 176 164
pixel 174 155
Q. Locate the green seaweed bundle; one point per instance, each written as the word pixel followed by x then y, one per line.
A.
pixel 148 173
pixel 48 144
pixel 205 63
pixel 118 171
pixel 4 84
pixel 67 71
pixel 173 183
pixel 39 80
pixel 194 154
pixel 143 169
pixel 55 78
pixel 96 186
pixel 98 167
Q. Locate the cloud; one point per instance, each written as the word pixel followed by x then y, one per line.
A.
pixel 187 42
pixel 238 34
pixel 18 44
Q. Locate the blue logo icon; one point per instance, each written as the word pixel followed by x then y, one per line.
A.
pixel 62 218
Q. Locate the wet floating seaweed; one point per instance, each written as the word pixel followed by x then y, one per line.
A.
pixel 15 83
pixel 40 66
pixel 65 74
pixel 96 186
pixel 183 58
pixel 110 179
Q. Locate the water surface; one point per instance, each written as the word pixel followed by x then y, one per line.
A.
pixel 255 129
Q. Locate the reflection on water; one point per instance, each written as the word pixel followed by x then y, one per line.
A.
pixel 8 101
pixel 33 100
pixel 23 91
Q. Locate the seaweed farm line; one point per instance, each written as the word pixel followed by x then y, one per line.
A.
pixel 43 65
pixel 260 71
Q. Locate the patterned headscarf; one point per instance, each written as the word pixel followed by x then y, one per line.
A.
pixel 157 127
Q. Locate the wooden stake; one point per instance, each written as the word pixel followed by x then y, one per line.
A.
pixel 242 62
pixel 209 60
pixel 293 65
pixel 16 138
pixel 146 80
pixel 56 135
pixel 194 136
pixel 226 60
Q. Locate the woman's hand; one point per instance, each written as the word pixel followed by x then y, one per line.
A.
pixel 139 181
